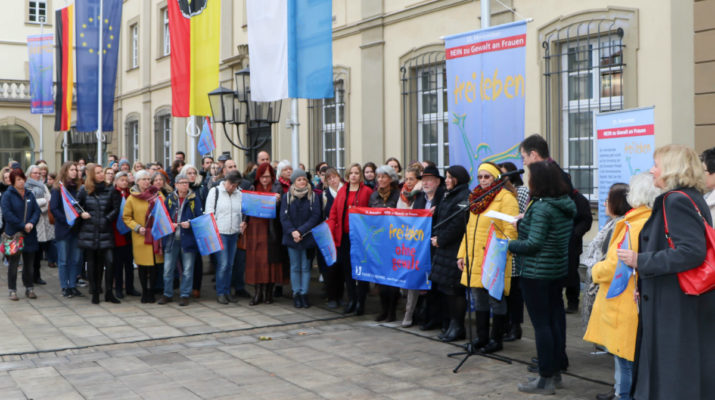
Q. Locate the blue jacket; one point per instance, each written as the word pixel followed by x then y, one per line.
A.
pixel 13 211
pixel 301 215
pixel 191 209
pixel 62 230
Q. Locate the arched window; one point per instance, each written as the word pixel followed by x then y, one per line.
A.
pixel 16 144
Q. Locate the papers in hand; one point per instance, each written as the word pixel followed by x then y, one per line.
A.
pixel 497 215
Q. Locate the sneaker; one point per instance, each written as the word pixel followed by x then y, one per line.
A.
pixel 13 296
pixel 184 301
pixel 81 282
pixel 163 300
pixel 76 292
pixel 66 293
pixel 30 293
pixel 559 382
pixel 539 385
pixel 222 299
pixel 232 298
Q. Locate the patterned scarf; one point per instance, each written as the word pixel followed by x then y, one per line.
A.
pixel 481 205
pixel 385 193
pixel 285 184
pixel 407 195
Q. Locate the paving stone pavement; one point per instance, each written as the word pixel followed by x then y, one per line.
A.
pixel 56 348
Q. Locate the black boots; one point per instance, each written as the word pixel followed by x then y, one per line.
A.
pixel 388 302
pixel 269 293
pixel 514 333
pixel 258 297
pixel 482 322
pixel 498 328
pixel 454 332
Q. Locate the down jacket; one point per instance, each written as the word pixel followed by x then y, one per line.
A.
pixel 226 210
pixel 544 234
pixel 97 232
pixel 449 236
pixel 13 210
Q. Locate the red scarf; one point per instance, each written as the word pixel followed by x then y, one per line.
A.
pixel 150 196
pixel 285 184
pixel 406 195
pixel 481 205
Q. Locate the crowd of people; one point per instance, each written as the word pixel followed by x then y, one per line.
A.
pixel 657 334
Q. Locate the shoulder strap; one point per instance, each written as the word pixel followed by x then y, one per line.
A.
pixel 665 219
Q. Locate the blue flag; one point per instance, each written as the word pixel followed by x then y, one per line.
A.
pixel 162 222
pixel 494 264
pixel 207 141
pixel 258 204
pixel 391 246
pixel 68 203
pixel 41 48
pixel 324 241
pixel 623 272
pixel 122 228
pixel 206 234
pixel 87 45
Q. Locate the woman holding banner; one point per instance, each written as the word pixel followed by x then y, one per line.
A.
pixel 137 216
pixel 263 253
pixel 69 255
pixel 96 233
pixel 122 255
pixel 487 196
pixel 543 242
pixel 354 194
pixel 386 196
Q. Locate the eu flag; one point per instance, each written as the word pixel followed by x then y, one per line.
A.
pixel 88 23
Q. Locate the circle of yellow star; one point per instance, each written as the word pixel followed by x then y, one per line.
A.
pixel 84 25
pixel 110 27
pixel 91 50
pixel 104 51
pixel 91 19
pixel 111 37
pixel 84 44
pixel 81 34
pixel 109 45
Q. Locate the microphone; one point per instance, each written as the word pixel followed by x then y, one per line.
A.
pixel 510 173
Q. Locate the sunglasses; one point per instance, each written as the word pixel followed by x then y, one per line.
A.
pixel 484 176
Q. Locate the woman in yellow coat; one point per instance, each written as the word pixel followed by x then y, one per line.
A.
pixel 504 201
pixel 147 252
pixel 614 322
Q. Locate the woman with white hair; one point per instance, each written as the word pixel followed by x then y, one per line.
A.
pixel 283 172
pixel 674 357
pixel 614 322
pixel 45 231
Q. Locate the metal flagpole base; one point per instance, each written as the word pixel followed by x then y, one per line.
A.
pixel 470 351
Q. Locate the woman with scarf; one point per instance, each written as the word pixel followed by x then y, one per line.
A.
pixel 354 194
pixel 69 255
pixel 411 189
pixel 45 231
pixel 197 184
pixel 368 172
pixel 122 253
pixel 386 196
pixel 137 216
pixel 284 172
pixel 96 234
pixel 265 268
pixel 484 198
pixel 300 212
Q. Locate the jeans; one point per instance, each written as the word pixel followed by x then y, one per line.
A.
pixel 238 277
pixel 299 270
pixel 624 377
pixel 51 252
pixel 69 258
pixel 545 305
pixel 224 263
pixel 28 272
pixel 171 258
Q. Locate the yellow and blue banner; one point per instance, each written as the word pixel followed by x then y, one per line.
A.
pixel 324 240
pixel 162 221
pixel 494 264
pixel 391 246
pixel 206 234
pixel 485 93
pixel 41 49
pixel 258 204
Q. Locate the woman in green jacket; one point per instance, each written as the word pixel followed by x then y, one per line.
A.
pixel 543 245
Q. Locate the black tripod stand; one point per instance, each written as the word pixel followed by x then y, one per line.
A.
pixel 469 347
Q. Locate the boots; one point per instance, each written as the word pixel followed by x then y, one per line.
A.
pixel 360 302
pixel 498 327
pixel 269 293
pixel 410 308
pixel 258 297
pixel 384 305
pixel 514 333
pixel 482 321
pixel 393 297
pixel 350 306
pixel 109 297
pixel 454 332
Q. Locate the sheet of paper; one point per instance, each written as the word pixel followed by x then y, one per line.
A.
pixel 497 215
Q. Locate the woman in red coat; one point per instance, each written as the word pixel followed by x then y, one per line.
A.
pixel 354 194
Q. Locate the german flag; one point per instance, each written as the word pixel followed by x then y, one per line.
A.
pixel 64 25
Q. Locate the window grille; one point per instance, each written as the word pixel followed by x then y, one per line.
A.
pixel 327 120
pixel 166 49
pixel 584 75
pixel 425 113
pixel 135 45
pixel 132 141
pixel 37 11
pixel 162 135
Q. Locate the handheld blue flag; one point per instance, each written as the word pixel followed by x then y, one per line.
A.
pixel 68 203
pixel 162 222
pixel 623 273
pixel 122 228
pixel 324 240
pixel 207 140
pixel 494 264
pixel 206 234
pixel 257 204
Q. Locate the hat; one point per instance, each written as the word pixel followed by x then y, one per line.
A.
pixel 224 156
pixel 432 171
pixel 122 162
pixel 298 173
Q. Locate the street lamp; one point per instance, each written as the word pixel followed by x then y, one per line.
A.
pixel 237 108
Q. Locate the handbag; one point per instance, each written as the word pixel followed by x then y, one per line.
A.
pixel 701 279
pixel 11 245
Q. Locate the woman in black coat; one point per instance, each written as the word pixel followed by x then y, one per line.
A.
pixel 446 238
pixel 96 234
pixel 675 347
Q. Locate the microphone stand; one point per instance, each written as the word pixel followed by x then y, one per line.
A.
pixel 469 347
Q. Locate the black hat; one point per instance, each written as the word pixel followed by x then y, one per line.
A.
pixel 432 171
pixel 224 157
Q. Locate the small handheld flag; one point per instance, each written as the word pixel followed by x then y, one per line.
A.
pixel 324 240
pixel 258 204
pixel 206 234
pixel 162 222
pixel 68 203
pixel 122 228
pixel 623 273
pixel 207 140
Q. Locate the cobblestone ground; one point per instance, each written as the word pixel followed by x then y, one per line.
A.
pixel 56 348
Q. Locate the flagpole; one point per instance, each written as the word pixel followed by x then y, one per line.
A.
pixel 99 84
pixel 42 113
pixel 192 140
pixel 65 145
pixel 295 144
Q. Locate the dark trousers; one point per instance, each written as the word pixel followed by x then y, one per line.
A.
pixel 97 260
pixel 123 268
pixel 334 279
pixel 545 305
pixel 238 276
pixel 28 270
pixel 44 248
pixel 515 303
pixel 357 290
pixel 147 278
pixel 198 271
pixel 573 281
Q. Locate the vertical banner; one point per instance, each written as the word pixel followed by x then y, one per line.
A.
pixel 206 234
pixel 324 241
pixel 41 51
pixel 485 93
pixel 64 59
pixel 391 246
pixel 626 141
